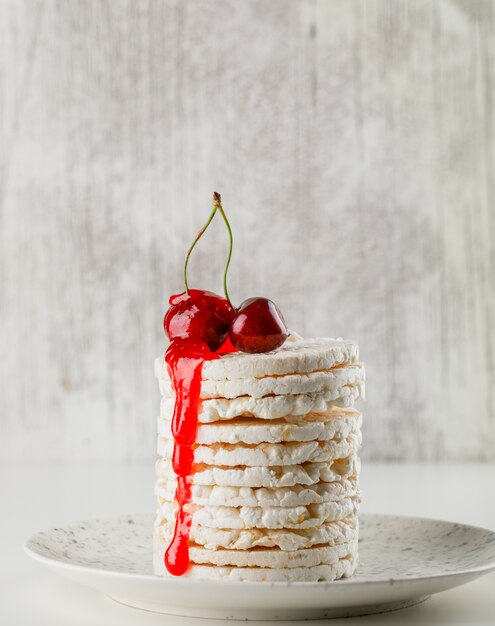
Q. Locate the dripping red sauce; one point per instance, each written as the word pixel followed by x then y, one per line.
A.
pixel 185 360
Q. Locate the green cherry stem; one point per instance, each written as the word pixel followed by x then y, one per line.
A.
pixel 191 248
pixel 217 206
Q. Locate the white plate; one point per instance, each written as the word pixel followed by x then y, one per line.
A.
pixel 403 560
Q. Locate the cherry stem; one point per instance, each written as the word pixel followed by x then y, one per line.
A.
pixel 217 206
pixel 217 203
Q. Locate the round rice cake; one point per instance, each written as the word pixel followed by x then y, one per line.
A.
pixel 299 495
pixel 268 454
pixel 300 355
pixel 274 476
pixel 319 381
pixel 269 407
pixel 264 517
pixel 344 567
pixel 273 558
pixel 328 533
pixel 334 424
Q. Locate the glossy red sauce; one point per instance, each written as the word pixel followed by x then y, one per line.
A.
pixel 185 363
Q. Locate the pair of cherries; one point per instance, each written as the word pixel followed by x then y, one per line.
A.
pixel 205 317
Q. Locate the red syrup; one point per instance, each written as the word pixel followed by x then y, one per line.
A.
pixel 185 360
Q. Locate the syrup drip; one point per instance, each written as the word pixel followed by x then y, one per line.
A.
pixel 185 360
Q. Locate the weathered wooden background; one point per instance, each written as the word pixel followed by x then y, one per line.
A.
pixel 353 143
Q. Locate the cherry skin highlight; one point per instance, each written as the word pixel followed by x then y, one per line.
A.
pixel 201 316
pixel 258 326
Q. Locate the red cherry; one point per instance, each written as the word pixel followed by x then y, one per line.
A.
pixel 258 326
pixel 199 316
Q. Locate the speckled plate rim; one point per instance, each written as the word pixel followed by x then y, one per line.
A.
pixel 367 593
pixel 475 570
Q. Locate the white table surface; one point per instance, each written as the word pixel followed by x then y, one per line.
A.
pixel 36 497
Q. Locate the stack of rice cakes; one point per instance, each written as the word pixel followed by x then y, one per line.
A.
pixel 275 492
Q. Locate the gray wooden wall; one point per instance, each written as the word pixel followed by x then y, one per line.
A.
pixel 353 143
